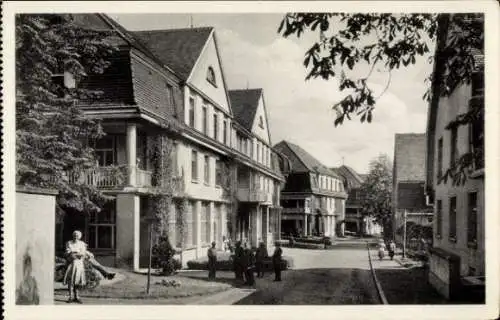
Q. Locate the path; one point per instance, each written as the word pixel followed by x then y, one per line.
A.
pixel 338 276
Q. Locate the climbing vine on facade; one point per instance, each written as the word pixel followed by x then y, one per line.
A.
pixel 229 188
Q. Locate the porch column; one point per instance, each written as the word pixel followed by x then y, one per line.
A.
pixel 265 229
pixel 197 227
pixel 223 228
pixel 212 218
pixel 306 225
pixel 256 230
pixel 326 230
pixel 127 230
pixel 132 153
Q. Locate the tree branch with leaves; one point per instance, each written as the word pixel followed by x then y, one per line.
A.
pixel 348 41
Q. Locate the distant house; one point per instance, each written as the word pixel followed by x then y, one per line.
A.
pixel 408 187
pixel 352 183
pixel 354 220
pixel 459 224
pixel 313 198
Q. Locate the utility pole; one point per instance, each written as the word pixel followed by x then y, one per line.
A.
pixel 404 234
pixel 150 221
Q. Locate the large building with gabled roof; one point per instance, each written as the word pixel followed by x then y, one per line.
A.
pixel 313 198
pixel 170 83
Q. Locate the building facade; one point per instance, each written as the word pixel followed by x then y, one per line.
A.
pixel 165 97
pixel 313 198
pixel 140 101
pixel 205 143
pixel 408 193
pixel 352 183
pixel 259 180
pixel 459 224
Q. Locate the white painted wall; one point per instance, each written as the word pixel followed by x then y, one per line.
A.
pixel 198 77
pixel 262 133
pixel 449 107
pixel 198 189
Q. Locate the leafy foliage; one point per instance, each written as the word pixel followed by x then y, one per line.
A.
pixel 52 135
pixel 376 193
pixel 229 187
pixel 163 256
pixel 348 41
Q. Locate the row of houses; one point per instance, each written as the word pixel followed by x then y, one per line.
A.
pixel 455 212
pixel 165 92
pixel 170 84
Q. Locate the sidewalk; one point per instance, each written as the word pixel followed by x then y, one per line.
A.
pixel 227 297
pixel 404 285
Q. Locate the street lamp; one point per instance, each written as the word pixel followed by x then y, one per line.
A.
pixel 150 220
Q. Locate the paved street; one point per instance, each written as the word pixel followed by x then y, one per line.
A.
pixel 338 276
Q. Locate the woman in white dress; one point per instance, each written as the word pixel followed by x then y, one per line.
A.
pixel 76 251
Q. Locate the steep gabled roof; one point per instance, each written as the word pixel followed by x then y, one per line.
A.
pixel 244 104
pixel 302 161
pixel 133 40
pixel 409 157
pixel 354 180
pixel 177 48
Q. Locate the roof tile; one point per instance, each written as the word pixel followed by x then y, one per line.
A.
pixel 178 49
pixel 302 160
pixel 409 157
pixel 244 104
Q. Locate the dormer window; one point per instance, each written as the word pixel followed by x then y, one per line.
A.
pixel 211 76
pixel 261 122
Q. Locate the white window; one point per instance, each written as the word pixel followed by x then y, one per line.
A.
pixel 105 151
pixel 211 76
pixel 206 169
pixel 101 227
pixel 205 223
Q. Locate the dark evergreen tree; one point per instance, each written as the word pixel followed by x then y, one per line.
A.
pixel 53 137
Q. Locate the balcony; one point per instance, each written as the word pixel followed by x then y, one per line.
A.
pixel 110 177
pixel 254 195
pixel 300 210
pixel 143 178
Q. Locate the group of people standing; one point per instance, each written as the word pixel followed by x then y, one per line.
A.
pixel 246 262
pixel 382 248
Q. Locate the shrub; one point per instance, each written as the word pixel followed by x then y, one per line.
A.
pixel 163 257
pixel 225 263
pixel 305 245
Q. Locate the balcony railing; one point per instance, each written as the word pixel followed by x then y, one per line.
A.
pixel 254 195
pixel 110 177
pixel 143 178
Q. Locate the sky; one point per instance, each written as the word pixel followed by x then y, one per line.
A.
pixel 254 55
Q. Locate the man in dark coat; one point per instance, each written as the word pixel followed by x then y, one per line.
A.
pixel 238 261
pixel 260 256
pixel 278 252
pixel 249 261
pixel 212 262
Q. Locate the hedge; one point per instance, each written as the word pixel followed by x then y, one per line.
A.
pixel 314 240
pixel 225 263
pixel 304 245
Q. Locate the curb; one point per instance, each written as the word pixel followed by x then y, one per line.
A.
pixel 377 283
